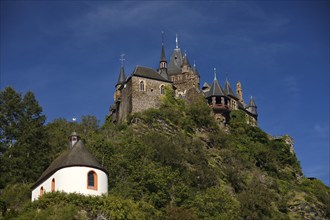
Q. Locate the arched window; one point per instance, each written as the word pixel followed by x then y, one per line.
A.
pixel 42 191
pixel 141 86
pixel 92 180
pixel 53 185
pixel 162 90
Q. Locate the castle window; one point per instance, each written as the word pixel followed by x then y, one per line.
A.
pixel 53 185
pixel 42 191
pixel 141 86
pixel 162 90
pixel 92 180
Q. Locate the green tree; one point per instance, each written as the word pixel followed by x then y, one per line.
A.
pixel 215 203
pixel 10 114
pixel 28 152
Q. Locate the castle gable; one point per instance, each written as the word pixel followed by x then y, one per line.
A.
pixel 148 73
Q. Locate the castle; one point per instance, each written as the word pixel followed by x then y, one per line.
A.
pixel 144 87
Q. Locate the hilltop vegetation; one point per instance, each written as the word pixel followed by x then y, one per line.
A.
pixel 169 163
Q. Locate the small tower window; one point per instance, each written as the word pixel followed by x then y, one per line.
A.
pixel 92 180
pixel 42 191
pixel 141 86
pixel 53 185
pixel 162 90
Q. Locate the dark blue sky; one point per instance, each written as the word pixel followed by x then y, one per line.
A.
pixel 67 54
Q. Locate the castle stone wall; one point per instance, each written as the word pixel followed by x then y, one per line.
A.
pixel 150 97
pixel 125 106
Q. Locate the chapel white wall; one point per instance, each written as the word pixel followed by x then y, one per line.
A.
pixel 73 180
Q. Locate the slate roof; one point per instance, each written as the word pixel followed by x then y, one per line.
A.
pixel 149 73
pixel 215 89
pixel 206 85
pixel 122 76
pixel 162 55
pixel 228 91
pixel 78 155
pixel 176 60
pixel 185 61
pixel 252 103
pixel 252 106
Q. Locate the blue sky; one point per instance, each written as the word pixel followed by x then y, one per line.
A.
pixel 67 54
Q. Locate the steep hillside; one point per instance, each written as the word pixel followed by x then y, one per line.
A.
pixel 177 163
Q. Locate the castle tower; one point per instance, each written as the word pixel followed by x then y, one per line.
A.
pixel 121 79
pixel 229 92
pixel 239 92
pixel 163 63
pixel 251 110
pixel 252 107
pixel 176 59
pixel 217 99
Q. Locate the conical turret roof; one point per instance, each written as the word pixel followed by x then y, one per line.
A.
pixel 185 61
pixel 195 71
pixel 176 60
pixel 122 76
pixel 162 54
pixel 215 89
pixel 252 103
pixel 228 90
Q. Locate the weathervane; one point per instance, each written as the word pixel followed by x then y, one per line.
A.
pixel 122 59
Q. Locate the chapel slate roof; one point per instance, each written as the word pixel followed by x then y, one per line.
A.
pixel 215 90
pixel 149 73
pixel 78 155
pixel 228 91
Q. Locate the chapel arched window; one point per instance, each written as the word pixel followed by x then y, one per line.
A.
pixel 92 180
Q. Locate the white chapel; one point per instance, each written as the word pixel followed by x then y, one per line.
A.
pixel 75 171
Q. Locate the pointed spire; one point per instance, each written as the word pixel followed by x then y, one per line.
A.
pixel 252 103
pixel 215 89
pixel 162 55
pixel 176 41
pixel 215 73
pixel 228 90
pixel 185 60
pixel 252 107
pixel 122 76
pixel 195 69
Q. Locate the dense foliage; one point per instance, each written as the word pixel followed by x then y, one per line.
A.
pixel 169 163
